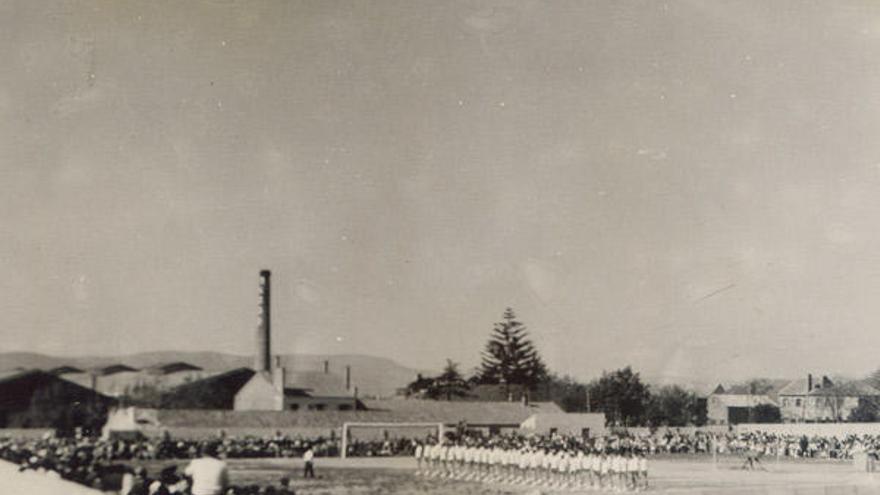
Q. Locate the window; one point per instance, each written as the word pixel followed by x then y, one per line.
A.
pixel 585 433
pixel 294 407
pixel 345 407
pixel 797 402
pixel 553 431
pixel 317 407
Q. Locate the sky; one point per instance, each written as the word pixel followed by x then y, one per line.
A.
pixel 691 188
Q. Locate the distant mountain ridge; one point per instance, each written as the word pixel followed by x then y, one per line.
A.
pixel 373 376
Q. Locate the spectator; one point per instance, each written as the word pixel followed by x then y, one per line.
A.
pixel 285 488
pixel 209 474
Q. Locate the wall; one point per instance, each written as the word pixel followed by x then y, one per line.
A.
pixel 716 410
pixel 566 424
pixel 816 408
pixel 313 403
pixel 188 432
pixel 378 433
pixel 258 395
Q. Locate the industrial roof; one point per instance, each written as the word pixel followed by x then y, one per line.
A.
pixel 65 369
pixel 7 375
pixel 172 367
pixel 316 383
pixel 114 368
pixel 12 381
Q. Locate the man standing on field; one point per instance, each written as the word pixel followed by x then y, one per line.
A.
pixel 309 471
pixel 209 474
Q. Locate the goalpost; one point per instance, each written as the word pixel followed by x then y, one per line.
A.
pixel 346 427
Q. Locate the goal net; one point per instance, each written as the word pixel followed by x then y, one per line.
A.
pixel 353 432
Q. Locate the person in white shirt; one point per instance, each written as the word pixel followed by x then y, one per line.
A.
pixel 210 476
pixel 620 470
pixel 632 470
pixel 432 452
pixel 495 458
pixel 594 469
pixel 528 458
pixel 643 471
pixel 446 461
pixel 605 472
pixel 309 468
pixel 558 467
pixel 419 455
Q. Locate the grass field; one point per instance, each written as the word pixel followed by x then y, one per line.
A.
pixel 692 476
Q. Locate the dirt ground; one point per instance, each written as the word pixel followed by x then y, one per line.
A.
pixel 691 476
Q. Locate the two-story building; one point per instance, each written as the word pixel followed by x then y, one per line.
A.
pixel 814 399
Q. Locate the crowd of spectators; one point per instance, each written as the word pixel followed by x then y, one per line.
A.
pixel 100 463
pixel 800 446
pixel 768 444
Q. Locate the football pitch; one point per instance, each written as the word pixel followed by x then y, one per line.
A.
pixel 691 475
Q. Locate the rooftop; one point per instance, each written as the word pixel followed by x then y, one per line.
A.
pixel 172 367
pixel 114 368
pixel 65 369
pixel 316 383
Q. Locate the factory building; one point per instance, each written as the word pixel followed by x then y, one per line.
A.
pixel 37 399
pixel 276 388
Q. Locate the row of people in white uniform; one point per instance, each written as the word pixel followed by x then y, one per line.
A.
pixel 572 467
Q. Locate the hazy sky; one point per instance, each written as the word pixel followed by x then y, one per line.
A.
pixel 691 187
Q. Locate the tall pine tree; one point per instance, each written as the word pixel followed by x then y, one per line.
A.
pixel 510 357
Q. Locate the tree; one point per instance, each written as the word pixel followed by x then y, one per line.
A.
pixel 565 391
pixel 868 411
pixel 759 386
pixel 836 400
pixel 622 396
pixel 766 413
pixel 419 386
pixel 671 405
pixel 510 357
pixel 449 384
pixel 874 379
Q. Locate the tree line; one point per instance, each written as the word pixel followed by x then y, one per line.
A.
pixel 511 365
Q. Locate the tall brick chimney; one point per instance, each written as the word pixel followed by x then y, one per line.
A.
pixel 263 357
pixel 278 376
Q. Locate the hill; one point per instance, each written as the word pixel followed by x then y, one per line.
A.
pixel 373 376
